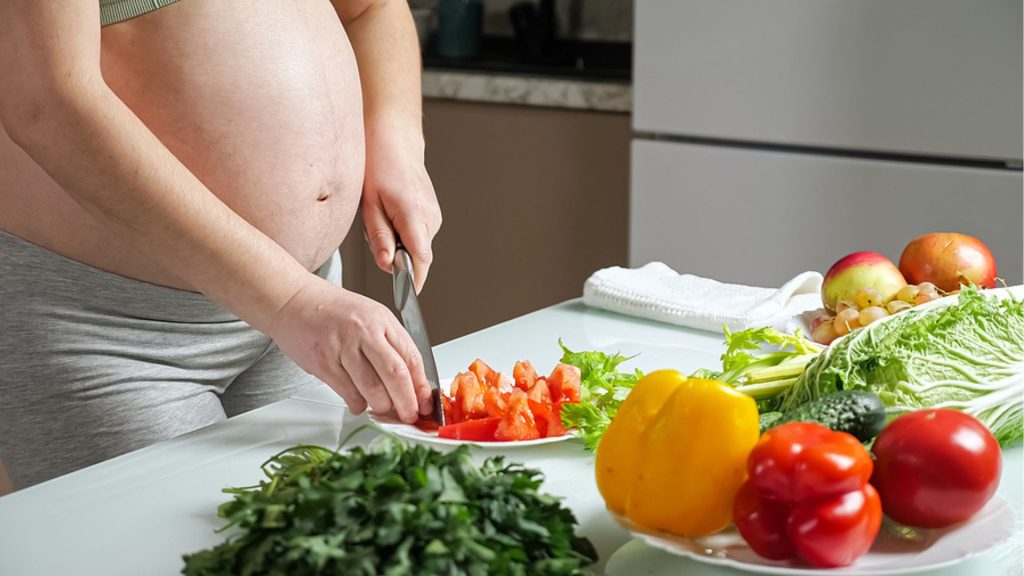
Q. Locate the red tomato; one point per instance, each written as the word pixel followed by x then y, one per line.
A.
pixel 548 417
pixel 481 430
pixel 501 383
pixel 935 468
pixel 469 396
pixel 484 373
pixel 539 392
pixel 495 401
pixel 518 422
pixel 564 383
pixel 524 375
pixel 452 412
pixel 834 532
pixel 948 259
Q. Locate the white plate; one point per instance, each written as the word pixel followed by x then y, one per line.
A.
pixel 410 432
pixel 897 550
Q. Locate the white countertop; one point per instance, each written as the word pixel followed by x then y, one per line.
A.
pixel 139 513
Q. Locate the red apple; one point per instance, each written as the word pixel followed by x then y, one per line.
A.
pixel 948 259
pixel 860 270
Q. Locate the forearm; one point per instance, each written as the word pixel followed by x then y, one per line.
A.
pixel 109 162
pixel 383 37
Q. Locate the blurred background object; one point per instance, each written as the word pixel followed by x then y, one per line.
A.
pixel 459 25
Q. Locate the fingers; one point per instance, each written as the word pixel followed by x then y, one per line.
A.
pixel 402 343
pixel 395 375
pixel 379 234
pixel 341 382
pixel 366 380
pixel 417 238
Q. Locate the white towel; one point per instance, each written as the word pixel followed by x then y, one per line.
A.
pixel 658 292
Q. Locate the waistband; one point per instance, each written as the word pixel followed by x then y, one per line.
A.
pixel 114 11
pixel 29 272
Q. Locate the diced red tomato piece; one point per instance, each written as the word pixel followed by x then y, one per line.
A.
pixel 501 383
pixel 469 396
pixel 495 402
pixel 484 373
pixel 548 417
pixel 524 375
pixel 518 422
pixel 565 380
pixel 452 412
pixel 481 430
pixel 539 392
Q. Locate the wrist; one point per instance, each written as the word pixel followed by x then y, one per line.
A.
pixel 401 134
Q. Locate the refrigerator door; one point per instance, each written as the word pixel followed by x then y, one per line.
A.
pixel 760 217
pixel 918 77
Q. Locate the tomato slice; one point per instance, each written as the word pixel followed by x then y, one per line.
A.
pixel 469 396
pixel 518 422
pixel 548 418
pixel 564 383
pixel 501 383
pixel 495 402
pixel 484 373
pixel 539 392
pixel 481 430
pixel 524 375
pixel 452 412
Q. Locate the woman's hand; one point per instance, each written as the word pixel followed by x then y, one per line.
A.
pixel 356 346
pixel 398 197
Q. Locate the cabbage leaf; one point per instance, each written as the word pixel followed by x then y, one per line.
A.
pixel 968 355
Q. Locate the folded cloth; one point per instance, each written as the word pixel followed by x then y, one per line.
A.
pixel 658 292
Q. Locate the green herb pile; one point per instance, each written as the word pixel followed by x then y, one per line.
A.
pixel 602 390
pixel 395 510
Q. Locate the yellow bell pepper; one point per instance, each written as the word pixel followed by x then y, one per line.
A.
pixel 677 467
pixel 618 453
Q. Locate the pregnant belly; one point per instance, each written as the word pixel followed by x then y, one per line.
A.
pixel 260 100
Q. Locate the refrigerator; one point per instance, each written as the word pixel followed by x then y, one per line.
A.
pixel 776 136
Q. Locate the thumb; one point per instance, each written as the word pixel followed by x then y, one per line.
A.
pixel 380 236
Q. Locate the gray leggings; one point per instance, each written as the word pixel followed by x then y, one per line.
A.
pixel 93 365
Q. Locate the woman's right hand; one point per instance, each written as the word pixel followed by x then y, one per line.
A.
pixel 355 345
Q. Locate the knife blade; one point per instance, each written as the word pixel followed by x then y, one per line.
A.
pixel 412 318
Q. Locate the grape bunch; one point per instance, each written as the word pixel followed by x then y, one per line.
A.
pixel 868 305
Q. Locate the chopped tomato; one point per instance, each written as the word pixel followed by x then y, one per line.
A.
pixel 469 396
pixel 484 373
pixel 495 401
pixel 518 422
pixel 524 375
pixel 501 383
pixel 539 392
pixel 481 430
pixel 452 412
pixel 548 418
pixel 564 383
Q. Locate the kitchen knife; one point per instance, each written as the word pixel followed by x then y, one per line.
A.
pixel 409 309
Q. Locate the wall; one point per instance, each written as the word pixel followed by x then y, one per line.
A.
pixel 534 201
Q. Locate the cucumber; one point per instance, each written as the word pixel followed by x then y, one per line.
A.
pixel 770 420
pixel 855 411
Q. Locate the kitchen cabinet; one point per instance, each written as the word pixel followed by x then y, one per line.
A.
pixel 777 137
pixel 534 200
pixel 762 216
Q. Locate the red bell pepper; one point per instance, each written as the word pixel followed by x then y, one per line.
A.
pixel 808 496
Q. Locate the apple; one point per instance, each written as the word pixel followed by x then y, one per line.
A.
pixel 860 270
pixel 948 259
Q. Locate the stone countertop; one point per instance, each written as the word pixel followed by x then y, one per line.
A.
pixel 576 94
